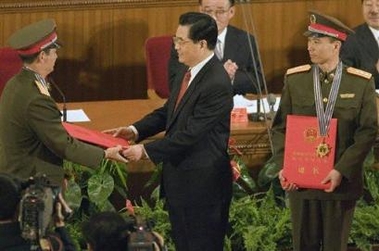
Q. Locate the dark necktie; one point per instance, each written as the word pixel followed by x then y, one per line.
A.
pixel 183 87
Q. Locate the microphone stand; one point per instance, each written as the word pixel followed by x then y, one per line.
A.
pixel 64 108
pixel 258 116
pixel 245 18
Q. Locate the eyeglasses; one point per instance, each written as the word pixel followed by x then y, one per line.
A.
pixel 180 41
pixel 369 4
pixel 216 13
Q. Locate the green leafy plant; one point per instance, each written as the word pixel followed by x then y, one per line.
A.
pixel 364 232
pixel 160 219
pixel 258 220
pixel 244 184
pixel 89 191
pixel 258 223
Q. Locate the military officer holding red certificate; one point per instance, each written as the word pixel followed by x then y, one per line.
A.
pixel 326 90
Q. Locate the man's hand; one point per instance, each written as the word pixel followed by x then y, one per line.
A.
pixel 285 184
pixel 134 152
pixel 114 153
pixel 334 177
pixel 231 68
pixel 121 132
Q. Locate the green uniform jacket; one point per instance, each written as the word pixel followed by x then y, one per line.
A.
pixel 32 138
pixel 357 125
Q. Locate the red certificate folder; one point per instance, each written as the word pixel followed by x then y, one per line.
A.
pixel 308 157
pixel 93 136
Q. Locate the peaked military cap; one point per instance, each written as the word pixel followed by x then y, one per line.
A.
pixel 322 25
pixel 34 37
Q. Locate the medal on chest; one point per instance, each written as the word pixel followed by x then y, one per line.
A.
pixel 324 116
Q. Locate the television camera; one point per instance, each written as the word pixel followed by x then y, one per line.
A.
pixel 142 238
pixel 36 209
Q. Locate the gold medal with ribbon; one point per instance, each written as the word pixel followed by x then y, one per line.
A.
pixel 324 117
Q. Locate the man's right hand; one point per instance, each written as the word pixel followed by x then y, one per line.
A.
pixel 122 132
pixel 285 184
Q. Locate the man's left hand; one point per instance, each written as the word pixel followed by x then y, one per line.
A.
pixel 334 177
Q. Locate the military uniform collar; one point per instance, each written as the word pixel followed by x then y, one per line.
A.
pixel 327 77
pixel 39 78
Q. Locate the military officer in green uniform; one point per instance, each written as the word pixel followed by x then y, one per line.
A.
pixel 32 138
pixel 321 219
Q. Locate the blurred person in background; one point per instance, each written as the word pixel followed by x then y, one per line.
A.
pixel 361 49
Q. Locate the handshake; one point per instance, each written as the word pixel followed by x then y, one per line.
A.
pixel 125 153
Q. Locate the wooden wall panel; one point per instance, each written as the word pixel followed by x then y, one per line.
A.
pixel 103 54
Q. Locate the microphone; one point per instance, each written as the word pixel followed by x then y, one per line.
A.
pixel 258 116
pixel 271 100
pixel 64 108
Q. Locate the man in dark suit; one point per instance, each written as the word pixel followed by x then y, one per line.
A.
pixel 196 174
pixel 235 50
pixel 321 219
pixel 361 50
pixel 32 138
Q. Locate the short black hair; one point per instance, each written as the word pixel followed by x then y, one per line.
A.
pixel 232 2
pixel 202 27
pixel 106 231
pixel 10 196
pixel 28 59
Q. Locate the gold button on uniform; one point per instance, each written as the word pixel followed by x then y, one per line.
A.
pixel 325 100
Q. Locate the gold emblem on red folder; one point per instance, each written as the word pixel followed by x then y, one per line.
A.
pixel 323 150
pixel 310 134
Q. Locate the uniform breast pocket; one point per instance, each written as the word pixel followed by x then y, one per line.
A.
pixel 346 109
pixel 303 105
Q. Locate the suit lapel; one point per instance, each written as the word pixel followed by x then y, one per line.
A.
pixel 188 94
pixel 231 43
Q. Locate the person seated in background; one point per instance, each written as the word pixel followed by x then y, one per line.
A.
pixel 11 233
pixel 233 49
pixel 361 50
